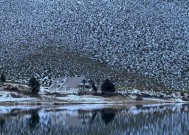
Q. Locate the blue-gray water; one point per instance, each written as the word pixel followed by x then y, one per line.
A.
pixel 96 120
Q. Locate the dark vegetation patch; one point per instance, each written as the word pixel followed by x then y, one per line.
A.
pixel 106 94
pixel 29 94
pixel 56 94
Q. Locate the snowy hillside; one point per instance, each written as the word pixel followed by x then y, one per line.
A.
pixel 47 63
pixel 149 38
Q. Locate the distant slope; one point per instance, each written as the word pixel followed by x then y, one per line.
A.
pixel 49 62
pixel 148 37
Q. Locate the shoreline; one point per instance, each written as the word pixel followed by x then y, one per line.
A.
pixel 47 97
pixel 57 103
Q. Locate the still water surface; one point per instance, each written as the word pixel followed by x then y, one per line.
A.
pixel 96 120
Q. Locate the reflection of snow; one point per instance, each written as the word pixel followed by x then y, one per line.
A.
pixel 8 109
pixel 83 107
pixel 156 108
pixel 84 119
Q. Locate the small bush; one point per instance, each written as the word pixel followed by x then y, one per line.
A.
pixel 3 77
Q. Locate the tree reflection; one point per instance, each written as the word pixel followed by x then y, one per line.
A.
pixel 2 122
pixel 93 116
pixel 108 115
pixel 139 106
pixel 34 119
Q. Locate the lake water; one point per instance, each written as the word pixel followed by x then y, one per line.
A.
pixel 95 120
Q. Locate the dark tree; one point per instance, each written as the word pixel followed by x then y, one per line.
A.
pixel 34 85
pixel 3 77
pixel 107 87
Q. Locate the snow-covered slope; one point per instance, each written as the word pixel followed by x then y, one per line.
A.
pixel 146 37
pixel 49 62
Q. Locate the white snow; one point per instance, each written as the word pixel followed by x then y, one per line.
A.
pixel 43 90
pixel 83 99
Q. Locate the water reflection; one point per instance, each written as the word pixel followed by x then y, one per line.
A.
pixel 2 122
pixel 139 106
pixel 34 119
pixel 108 115
pixel 114 120
pixel 94 114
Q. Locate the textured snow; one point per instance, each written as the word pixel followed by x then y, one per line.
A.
pixel 83 99
pixel 16 99
pixel 6 96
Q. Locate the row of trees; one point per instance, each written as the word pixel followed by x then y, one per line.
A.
pixel 107 86
pixel 34 85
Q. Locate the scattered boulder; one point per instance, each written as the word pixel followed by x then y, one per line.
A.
pixel 8 87
pixel 139 97
pixel 14 89
pixel 185 98
pixel 145 95
pixel 15 96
